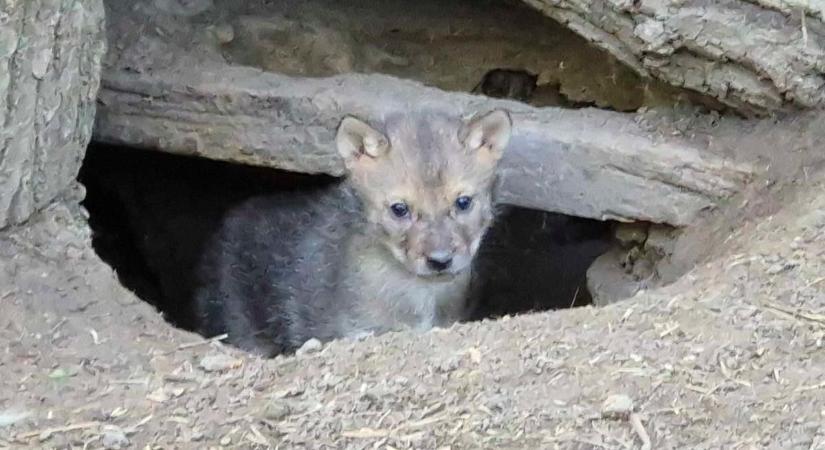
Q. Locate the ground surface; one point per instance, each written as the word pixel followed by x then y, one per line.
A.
pixel 729 356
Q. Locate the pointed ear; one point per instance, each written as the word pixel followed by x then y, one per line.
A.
pixel 488 133
pixel 357 140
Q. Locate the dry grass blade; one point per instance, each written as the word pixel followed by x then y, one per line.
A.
pixel 809 316
pixel 422 423
pixel 815 282
pixel 811 388
pixel 366 433
pixel 804 29
pixel 51 431
pixel 372 433
pixel 258 438
pixel 217 338
pixel 639 428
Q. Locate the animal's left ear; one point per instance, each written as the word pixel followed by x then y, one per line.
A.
pixel 357 141
pixel 488 133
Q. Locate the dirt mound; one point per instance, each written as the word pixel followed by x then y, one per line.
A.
pixel 729 356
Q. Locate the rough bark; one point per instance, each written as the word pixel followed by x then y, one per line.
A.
pixel 50 54
pixel 587 163
pixel 756 55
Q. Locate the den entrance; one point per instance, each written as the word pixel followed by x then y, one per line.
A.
pixel 152 212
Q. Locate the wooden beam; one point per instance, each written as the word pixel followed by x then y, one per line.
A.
pixel 588 163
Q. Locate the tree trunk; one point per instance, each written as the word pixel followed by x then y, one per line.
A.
pixel 756 55
pixel 50 54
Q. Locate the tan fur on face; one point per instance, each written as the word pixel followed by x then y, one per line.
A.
pixel 426 161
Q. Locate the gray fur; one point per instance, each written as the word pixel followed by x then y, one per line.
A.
pixel 326 264
pixel 507 83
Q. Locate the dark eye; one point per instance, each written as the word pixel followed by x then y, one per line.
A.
pixel 463 203
pixel 400 209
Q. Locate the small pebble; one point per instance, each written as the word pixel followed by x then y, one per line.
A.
pixel 311 346
pixel 781 267
pixel 114 437
pixel 618 405
pixel 330 381
pixel 448 366
pixel 225 33
pixel 158 396
pixel 11 417
pixel 219 363
pixel 276 410
pixel 74 253
pixel 631 233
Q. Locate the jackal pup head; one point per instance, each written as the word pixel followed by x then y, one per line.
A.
pixel 425 181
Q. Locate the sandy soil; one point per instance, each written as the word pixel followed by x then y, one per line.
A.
pixel 729 356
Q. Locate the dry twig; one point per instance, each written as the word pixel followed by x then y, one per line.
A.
pixel 809 316
pixel 50 431
pixel 217 338
pixel 639 428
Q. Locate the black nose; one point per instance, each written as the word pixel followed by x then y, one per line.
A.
pixel 439 263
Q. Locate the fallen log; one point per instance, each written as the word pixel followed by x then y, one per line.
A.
pixel 754 55
pixel 588 163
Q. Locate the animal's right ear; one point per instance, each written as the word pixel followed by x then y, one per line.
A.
pixel 488 134
pixel 357 141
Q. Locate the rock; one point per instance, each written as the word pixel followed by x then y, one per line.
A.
pixel 276 410
pixel 641 261
pixel 11 416
pixel 314 49
pixel 617 406
pixel 185 8
pixel 224 33
pixel 311 346
pixel 448 365
pixel 661 239
pixel 607 280
pixel 159 395
pixel 114 437
pixel 219 363
pixel 629 234
pixel 197 436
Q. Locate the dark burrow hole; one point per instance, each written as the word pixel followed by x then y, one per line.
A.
pixel 151 213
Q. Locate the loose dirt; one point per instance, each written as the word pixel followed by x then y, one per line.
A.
pixel 729 356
